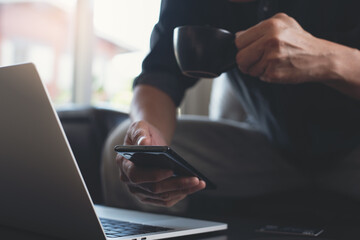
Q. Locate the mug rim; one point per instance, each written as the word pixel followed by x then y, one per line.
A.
pixel 217 29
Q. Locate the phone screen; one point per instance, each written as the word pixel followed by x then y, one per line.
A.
pixel 161 157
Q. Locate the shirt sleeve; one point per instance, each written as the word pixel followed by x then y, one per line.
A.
pixel 351 35
pixel 347 29
pixel 159 68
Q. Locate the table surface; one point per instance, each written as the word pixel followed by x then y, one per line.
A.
pixel 339 218
pixel 239 229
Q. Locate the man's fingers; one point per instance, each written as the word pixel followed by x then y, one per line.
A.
pixel 141 140
pixel 287 19
pixel 123 177
pixel 143 194
pixel 140 175
pixel 180 195
pixel 138 134
pixel 171 184
pixel 258 68
pixel 165 196
pixel 119 160
pixel 166 199
pixel 250 55
pixel 275 24
pixel 245 38
pixel 161 203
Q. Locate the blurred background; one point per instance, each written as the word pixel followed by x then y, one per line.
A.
pixel 87 51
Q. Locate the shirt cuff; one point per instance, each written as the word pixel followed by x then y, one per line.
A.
pixel 172 85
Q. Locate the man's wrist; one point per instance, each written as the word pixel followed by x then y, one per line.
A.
pixel 344 71
pixel 344 66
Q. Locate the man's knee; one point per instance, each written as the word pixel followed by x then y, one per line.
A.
pixel 117 136
pixel 109 169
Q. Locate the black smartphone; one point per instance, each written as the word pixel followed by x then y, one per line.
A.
pixel 161 157
pixel 310 232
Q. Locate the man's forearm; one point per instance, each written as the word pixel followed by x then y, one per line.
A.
pixel 157 108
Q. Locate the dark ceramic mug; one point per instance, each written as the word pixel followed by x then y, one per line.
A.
pixel 203 51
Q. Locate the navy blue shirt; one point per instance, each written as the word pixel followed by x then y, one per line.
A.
pixel 309 122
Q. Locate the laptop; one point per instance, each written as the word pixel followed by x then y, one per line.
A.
pixel 41 186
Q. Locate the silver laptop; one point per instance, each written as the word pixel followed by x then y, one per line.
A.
pixel 41 187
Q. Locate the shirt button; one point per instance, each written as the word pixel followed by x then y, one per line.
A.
pixel 266 6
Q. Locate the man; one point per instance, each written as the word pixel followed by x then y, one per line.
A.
pixel 298 78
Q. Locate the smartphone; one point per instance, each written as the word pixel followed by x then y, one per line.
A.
pixel 310 232
pixel 161 157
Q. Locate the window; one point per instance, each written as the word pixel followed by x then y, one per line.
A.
pixel 40 32
pixel 123 31
pixel 86 51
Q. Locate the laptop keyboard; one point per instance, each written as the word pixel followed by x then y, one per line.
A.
pixel 115 228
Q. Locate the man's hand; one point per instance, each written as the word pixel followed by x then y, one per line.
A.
pixel 278 50
pixel 153 186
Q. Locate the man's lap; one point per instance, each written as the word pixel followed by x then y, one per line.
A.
pixel 238 159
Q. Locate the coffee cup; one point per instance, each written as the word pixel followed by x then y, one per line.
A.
pixel 204 51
